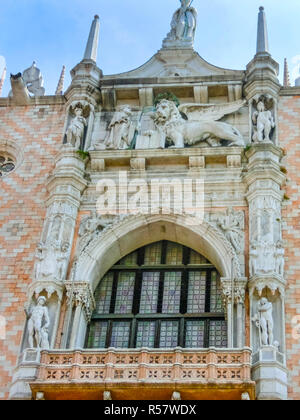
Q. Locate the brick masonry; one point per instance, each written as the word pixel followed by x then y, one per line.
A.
pixel 289 135
pixel 37 132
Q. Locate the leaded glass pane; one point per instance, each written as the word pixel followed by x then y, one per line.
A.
pixel 196 258
pixel 195 334
pixel 120 335
pixel 103 294
pixel 131 259
pixel 172 292
pixel 146 334
pixel 216 303
pixel 149 295
pixel 169 334
pixel 218 334
pixel 125 292
pixel 196 292
pixel 97 336
pixel 153 254
pixel 174 254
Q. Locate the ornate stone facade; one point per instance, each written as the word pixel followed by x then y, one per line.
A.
pixel 140 154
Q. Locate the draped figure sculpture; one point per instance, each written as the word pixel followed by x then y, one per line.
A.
pixel 183 26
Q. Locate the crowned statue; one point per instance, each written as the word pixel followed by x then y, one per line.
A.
pixel 183 27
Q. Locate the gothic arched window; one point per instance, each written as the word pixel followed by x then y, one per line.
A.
pixel 162 296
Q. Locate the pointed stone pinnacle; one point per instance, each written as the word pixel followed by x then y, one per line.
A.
pixel 262 33
pixel 91 50
pixel 60 86
pixel 2 80
pixel 286 77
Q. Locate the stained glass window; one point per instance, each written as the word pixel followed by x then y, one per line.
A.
pixel 172 292
pixel 131 259
pixel 146 334
pixel 98 333
pixel 196 292
pixel 103 294
pixel 120 335
pixel 216 303
pixel 153 298
pixel 125 291
pixel 149 295
pixel 218 334
pixel 153 254
pixel 168 334
pixel 196 258
pixel 174 254
pixel 195 331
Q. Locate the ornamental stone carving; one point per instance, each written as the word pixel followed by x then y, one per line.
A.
pixel 263 121
pixel 80 294
pixel 51 261
pixel 183 27
pixel 232 225
pixel 121 129
pixel 201 124
pixel 38 325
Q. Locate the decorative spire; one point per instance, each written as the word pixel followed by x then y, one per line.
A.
pixel 91 50
pixel 2 80
pixel 286 77
pixel 60 86
pixel 262 33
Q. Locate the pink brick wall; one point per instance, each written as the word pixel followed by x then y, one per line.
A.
pixel 289 134
pixel 38 132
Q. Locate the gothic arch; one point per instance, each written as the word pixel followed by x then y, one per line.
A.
pixel 133 232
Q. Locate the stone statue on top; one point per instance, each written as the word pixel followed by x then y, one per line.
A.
pixel 183 27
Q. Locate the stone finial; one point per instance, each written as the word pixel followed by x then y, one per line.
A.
pixel 262 33
pixel 286 77
pixel 2 80
pixel 60 86
pixel 91 50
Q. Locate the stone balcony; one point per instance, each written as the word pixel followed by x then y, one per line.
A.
pixel 145 374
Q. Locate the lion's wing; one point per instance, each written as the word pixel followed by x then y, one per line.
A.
pixel 209 112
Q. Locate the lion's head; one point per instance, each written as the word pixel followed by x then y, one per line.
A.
pixel 166 112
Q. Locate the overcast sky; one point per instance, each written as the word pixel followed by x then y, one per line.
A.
pixel 54 33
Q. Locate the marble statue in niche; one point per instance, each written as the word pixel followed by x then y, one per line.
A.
pixel 201 124
pixel 75 131
pixel 264 322
pixel 38 325
pixel 121 129
pixel 263 123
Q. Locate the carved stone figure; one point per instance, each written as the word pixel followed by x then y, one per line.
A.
pixel 51 260
pixel 38 325
pixel 264 321
pixel 121 129
pixel 263 122
pixel 76 128
pixel 201 125
pixel 231 225
pixel 183 25
pixel 34 80
pixel 90 226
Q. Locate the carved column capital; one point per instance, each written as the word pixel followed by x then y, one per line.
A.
pixel 80 294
